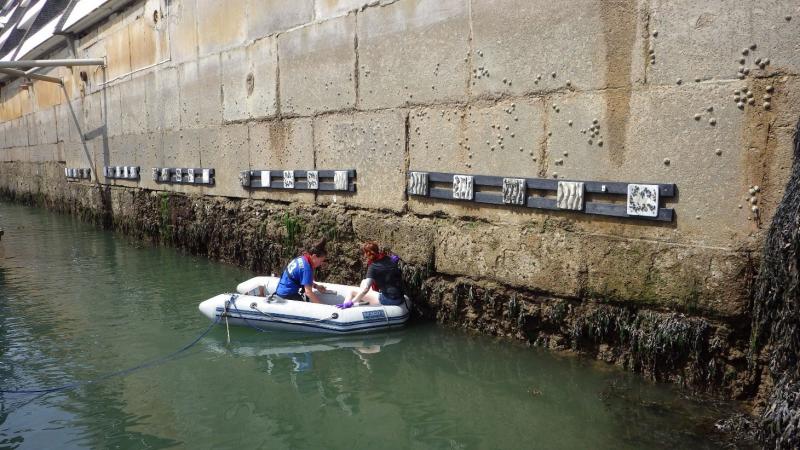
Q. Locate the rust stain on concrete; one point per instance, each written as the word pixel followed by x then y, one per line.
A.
pixel 619 33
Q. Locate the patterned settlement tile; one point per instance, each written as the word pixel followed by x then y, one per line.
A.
pixel 178 177
pixel 312 179
pixel 340 180
pixel 244 178
pixel 190 175
pixel 418 183
pixel 266 178
pixel 463 187
pixel 165 174
pixel 514 191
pixel 570 195
pixel 288 179
pixel 643 200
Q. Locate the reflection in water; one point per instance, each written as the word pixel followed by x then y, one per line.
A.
pixel 76 303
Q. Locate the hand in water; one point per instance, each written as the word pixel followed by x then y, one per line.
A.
pixel 345 305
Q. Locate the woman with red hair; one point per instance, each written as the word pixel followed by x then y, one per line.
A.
pixel 383 276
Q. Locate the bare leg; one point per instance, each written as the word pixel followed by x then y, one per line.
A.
pixel 372 298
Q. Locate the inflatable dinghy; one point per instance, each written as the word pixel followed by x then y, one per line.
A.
pixel 254 305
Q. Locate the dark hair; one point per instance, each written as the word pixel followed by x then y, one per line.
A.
pixel 318 248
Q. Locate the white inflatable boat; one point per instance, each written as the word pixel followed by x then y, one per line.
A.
pixel 253 306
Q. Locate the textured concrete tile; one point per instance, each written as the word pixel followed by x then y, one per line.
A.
pixel 284 145
pixel 317 67
pixel 200 93
pixel 265 17
pixel 590 43
pixel 413 52
pixel 220 25
pixel 373 144
pixel 706 39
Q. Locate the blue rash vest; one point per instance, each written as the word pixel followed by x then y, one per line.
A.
pixel 298 273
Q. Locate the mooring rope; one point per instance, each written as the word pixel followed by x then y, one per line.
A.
pixel 144 365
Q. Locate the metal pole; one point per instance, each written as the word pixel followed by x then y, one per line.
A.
pixel 35 76
pixel 51 63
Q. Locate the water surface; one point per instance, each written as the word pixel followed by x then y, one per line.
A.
pixel 77 303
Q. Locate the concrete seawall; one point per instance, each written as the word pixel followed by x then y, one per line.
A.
pixel 651 91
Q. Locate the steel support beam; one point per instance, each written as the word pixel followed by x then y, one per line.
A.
pixel 35 76
pixel 25 64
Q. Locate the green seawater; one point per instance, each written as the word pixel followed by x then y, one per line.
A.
pixel 77 303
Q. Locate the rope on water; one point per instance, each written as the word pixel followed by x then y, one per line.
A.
pixel 144 365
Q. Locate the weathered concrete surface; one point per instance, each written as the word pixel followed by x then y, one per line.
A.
pixel 489 138
pixel 370 143
pixel 183 30
pixel 133 105
pixel 220 149
pixel 396 56
pixel 221 24
pixel 162 98
pixel 282 145
pixel 317 66
pixel 249 85
pixel 326 9
pixel 705 40
pixel 200 92
pixel 272 16
pixel 525 42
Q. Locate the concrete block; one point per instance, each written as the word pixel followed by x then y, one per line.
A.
pixel 287 144
pixel 225 149
pixel 133 106
pixel 118 53
pixel 373 144
pixel 149 43
pixel 18 132
pixel 411 238
pixel 102 111
pixel 220 25
pixel 249 84
pixel 590 43
pixel 162 100
pixel 265 17
pixel 69 117
pixel 45 126
pixel 651 126
pixel 152 155
pixel 706 39
pixel 326 9
pixel 126 150
pixel 413 52
pixel 502 139
pixel 183 30
pixel 182 149
pixel 317 67
pixel 200 93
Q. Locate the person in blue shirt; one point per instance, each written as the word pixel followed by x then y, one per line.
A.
pixel 299 275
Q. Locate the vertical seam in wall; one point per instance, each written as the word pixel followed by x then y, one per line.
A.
pixel 314 153
pixel 355 71
pixel 469 50
pixel 277 78
pixel 543 144
pixel 406 159
pixel 646 50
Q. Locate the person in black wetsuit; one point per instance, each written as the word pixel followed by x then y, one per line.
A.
pixel 383 284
